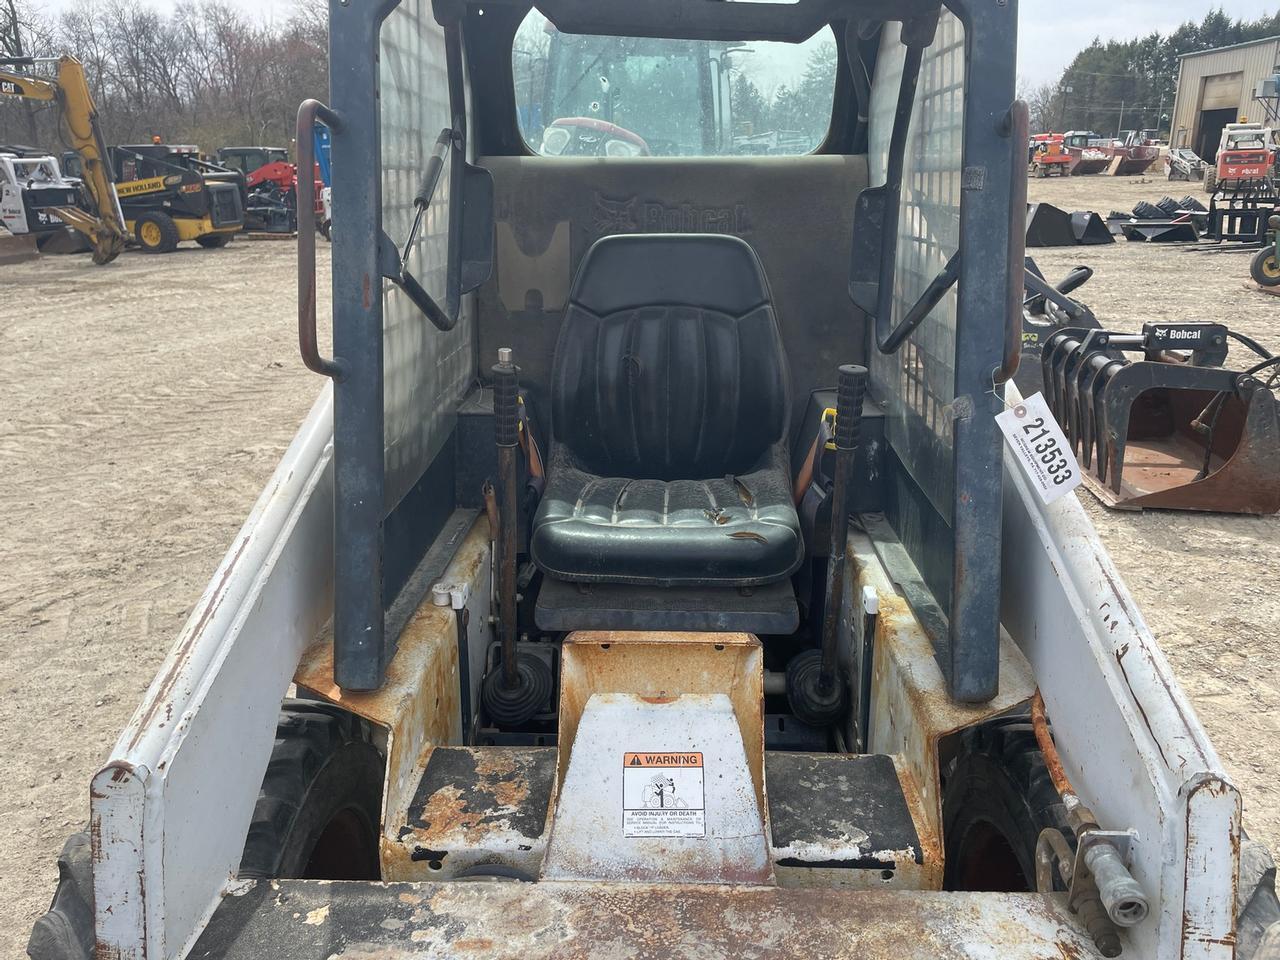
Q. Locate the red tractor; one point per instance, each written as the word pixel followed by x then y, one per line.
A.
pixel 271 183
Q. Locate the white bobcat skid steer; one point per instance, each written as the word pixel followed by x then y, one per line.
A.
pixel 651 579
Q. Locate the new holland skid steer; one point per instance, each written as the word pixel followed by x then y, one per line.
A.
pixel 649 578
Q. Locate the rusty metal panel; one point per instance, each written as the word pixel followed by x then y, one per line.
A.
pixel 691 817
pixel 841 820
pixel 911 710
pixel 714 684
pixel 307 920
pixel 659 664
pixel 480 807
pixel 418 705
pixel 476 806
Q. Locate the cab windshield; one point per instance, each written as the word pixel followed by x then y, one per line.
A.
pixel 580 95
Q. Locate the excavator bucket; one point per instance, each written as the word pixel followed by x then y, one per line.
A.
pixel 106 243
pixel 1166 430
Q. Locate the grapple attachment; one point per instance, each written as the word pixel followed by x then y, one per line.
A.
pixel 1166 429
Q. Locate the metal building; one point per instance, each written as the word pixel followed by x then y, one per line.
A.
pixel 1220 86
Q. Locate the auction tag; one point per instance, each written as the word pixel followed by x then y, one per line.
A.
pixel 1040 448
pixel 662 795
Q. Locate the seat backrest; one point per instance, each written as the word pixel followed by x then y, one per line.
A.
pixel 669 364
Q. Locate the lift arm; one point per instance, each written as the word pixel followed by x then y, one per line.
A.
pixel 104 223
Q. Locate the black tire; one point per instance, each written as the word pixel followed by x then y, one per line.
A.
pixel 1210 180
pixel 1257 907
pixel 65 932
pixel 1147 211
pixel 1265 267
pixel 326 229
pixel 156 232
pixel 996 799
pixel 214 241
pixel 320 804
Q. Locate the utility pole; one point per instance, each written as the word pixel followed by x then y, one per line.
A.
pixel 1120 122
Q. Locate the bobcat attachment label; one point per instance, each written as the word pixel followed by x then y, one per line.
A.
pixel 663 795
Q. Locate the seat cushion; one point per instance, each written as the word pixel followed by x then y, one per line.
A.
pixel 740 530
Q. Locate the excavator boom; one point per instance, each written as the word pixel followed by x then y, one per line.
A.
pixel 104 223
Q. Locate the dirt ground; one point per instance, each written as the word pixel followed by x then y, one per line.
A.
pixel 147 403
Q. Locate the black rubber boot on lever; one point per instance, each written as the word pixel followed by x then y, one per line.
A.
pixel 816 691
pixel 520 686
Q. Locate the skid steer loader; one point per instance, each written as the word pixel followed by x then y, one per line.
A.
pixel 650 576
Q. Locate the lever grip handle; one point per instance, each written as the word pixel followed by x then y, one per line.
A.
pixel 506 399
pixel 851 391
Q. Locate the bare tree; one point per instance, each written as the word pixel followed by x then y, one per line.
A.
pixel 204 73
pixel 1045 103
pixel 23 33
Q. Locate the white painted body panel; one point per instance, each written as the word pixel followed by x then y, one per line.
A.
pixel 170 809
pixel 1130 741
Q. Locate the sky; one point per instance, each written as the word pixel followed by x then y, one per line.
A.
pixel 1050 33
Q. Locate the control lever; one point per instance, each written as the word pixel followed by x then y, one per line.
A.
pixel 817 693
pixel 521 684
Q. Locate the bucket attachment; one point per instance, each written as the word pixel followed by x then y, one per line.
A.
pixel 1165 430
pixel 1160 231
pixel 1047 226
pixel 1089 229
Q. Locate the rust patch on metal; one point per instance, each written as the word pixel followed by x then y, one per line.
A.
pixel 473 805
pixel 446 813
pixel 418 703
pixel 912 713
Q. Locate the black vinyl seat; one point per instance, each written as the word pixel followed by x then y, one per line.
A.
pixel 669 410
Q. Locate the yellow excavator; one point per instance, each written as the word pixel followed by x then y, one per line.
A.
pixel 102 222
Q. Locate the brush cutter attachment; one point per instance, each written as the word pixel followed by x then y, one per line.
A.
pixel 1171 428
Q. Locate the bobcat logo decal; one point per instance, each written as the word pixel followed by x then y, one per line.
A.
pixel 613 216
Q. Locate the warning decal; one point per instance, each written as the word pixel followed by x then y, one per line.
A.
pixel 662 795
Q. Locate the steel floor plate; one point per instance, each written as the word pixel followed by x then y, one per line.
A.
pixel 317 920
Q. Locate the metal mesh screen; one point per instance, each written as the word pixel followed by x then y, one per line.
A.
pixel 918 382
pixel 425 371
